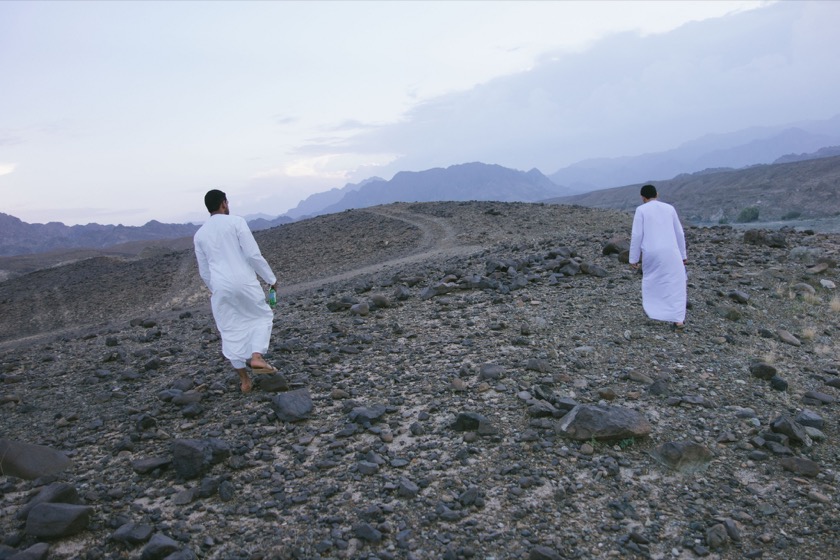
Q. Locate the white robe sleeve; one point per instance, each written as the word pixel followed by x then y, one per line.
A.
pixel 203 265
pixel 252 253
pixel 636 236
pixel 679 235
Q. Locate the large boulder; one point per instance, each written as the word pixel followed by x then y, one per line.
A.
pixel 57 520
pixel 28 461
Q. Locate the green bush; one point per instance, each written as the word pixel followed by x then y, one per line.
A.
pixel 748 214
pixel 792 215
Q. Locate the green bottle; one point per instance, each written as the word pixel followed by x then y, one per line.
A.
pixel 272 297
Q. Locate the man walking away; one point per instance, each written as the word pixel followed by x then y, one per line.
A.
pixel 229 261
pixel 658 240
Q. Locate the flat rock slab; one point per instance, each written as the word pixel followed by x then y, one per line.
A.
pixel 28 461
pixel 599 422
pixel 57 520
pixel 53 494
pixel 800 466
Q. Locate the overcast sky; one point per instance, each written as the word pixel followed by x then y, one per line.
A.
pixel 123 112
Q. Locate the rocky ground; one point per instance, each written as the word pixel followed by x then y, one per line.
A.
pixel 429 357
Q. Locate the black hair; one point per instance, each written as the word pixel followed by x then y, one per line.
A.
pixel 648 191
pixel 213 200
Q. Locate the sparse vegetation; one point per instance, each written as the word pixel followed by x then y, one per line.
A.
pixel 747 215
pixel 625 443
pixel 809 333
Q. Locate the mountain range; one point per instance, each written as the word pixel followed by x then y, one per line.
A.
pixel 807 188
pixel 709 179
pixel 735 150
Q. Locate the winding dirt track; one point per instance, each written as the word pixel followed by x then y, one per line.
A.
pixel 439 239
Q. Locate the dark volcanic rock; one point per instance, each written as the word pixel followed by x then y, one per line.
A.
pixel 409 449
pixel 192 458
pixel 57 520
pixel 585 422
pixel 28 461
pixel 293 406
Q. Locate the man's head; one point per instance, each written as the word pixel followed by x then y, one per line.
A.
pixel 213 200
pixel 648 192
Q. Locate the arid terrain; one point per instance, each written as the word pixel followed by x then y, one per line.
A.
pixel 440 348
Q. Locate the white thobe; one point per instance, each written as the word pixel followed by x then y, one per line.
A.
pixel 659 241
pixel 229 261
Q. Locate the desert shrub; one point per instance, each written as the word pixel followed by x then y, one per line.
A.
pixel 792 215
pixel 748 214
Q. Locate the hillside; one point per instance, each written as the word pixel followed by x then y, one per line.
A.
pixel 445 372
pixel 805 189
pixel 19 238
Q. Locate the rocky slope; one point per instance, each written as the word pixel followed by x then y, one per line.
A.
pixel 807 189
pixel 429 357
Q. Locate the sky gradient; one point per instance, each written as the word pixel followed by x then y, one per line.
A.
pixel 124 112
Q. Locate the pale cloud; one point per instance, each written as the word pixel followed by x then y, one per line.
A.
pixel 334 167
pixel 7 168
pixel 282 120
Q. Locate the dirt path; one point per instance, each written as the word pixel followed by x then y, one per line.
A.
pixel 439 239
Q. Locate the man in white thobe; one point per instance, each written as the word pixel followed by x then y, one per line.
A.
pixel 658 240
pixel 229 261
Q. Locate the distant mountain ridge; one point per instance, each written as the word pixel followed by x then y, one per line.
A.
pixel 752 146
pixel 315 203
pixel 19 238
pixel 707 157
pixel 466 181
pixel 809 188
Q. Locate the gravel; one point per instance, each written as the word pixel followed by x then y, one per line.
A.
pixel 435 408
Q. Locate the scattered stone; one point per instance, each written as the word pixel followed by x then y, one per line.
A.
pixel 147 465
pixel 683 456
pixel 160 546
pixel 274 383
pixel 192 458
pixel 491 372
pixel 132 533
pixel 57 520
pixel 809 418
pixel 739 296
pixel 816 397
pixel 762 370
pixel 717 538
pixel 293 406
pixel 788 338
pixel 795 432
pixel 474 422
pixel 543 553
pixel 367 533
pixel 298 489
pixel 38 551
pixel 58 492
pixel 778 384
pixel 800 466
